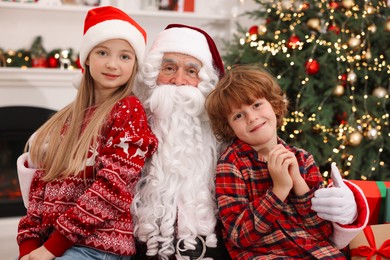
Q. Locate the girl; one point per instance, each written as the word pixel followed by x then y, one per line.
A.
pixel 90 154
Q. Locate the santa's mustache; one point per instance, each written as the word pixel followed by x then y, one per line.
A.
pixel 167 99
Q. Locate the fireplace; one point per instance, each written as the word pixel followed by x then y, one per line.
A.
pixel 18 124
pixel 28 98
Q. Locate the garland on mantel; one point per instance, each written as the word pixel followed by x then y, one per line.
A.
pixel 38 57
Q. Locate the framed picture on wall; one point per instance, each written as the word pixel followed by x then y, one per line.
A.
pixel 177 5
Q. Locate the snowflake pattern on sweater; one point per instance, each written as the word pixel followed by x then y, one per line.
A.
pixel 93 212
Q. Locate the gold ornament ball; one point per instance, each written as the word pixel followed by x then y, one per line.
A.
pixel 387 25
pixel 355 138
pixel 380 92
pixel 262 29
pixel 354 42
pixel 314 24
pixel 338 90
pixel 347 4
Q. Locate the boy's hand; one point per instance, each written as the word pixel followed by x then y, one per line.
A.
pixel 300 186
pixel 279 161
pixel 293 168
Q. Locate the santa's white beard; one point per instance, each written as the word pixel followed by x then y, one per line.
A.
pixel 176 197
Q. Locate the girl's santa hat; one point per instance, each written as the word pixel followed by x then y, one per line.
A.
pixel 106 23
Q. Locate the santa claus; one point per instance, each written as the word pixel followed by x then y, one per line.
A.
pixel 175 207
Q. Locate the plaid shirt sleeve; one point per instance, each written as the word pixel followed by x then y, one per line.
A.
pixel 244 221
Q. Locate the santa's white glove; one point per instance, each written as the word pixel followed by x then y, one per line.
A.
pixel 337 203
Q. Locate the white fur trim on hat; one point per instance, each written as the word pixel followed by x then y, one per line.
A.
pixel 77 79
pixel 186 41
pixel 25 176
pixel 112 29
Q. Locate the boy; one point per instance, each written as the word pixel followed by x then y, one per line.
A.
pixel 264 186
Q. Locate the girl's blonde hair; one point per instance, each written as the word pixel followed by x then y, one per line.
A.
pixel 62 152
pixel 242 84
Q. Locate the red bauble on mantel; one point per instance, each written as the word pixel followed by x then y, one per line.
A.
pixel 312 66
pixel 52 62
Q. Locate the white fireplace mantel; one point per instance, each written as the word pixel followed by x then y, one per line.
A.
pixel 44 88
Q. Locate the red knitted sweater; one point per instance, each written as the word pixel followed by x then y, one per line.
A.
pixel 95 212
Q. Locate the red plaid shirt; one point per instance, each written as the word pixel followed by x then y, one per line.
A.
pixel 257 224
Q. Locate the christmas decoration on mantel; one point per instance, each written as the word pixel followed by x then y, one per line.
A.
pixel 38 57
pixel 57 2
pixel 332 59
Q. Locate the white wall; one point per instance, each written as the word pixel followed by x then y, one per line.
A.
pixel 8 245
pixel 19 33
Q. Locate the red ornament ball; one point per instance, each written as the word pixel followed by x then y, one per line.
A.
pixel 52 62
pixel 305 6
pixel 312 67
pixel 342 118
pixel 334 4
pixel 293 42
pixel 343 79
pixel 253 30
pixel 334 28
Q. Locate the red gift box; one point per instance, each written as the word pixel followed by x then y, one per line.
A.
pixel 375 193
pixel 372 241
pixel 387 206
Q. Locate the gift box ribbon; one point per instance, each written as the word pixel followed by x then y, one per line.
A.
pixel 369 251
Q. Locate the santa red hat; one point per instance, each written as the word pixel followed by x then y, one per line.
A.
pixel 191 41
pixel 106 23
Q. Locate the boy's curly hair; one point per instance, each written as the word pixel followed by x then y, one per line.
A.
pixel 242 84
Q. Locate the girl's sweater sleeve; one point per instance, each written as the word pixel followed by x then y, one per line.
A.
pixel 30 229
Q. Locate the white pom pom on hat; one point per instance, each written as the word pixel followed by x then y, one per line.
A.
pixel 106 23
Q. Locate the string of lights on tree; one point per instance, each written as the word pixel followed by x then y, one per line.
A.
pixel 332 59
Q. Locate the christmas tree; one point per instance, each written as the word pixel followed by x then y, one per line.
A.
pixel 332 59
